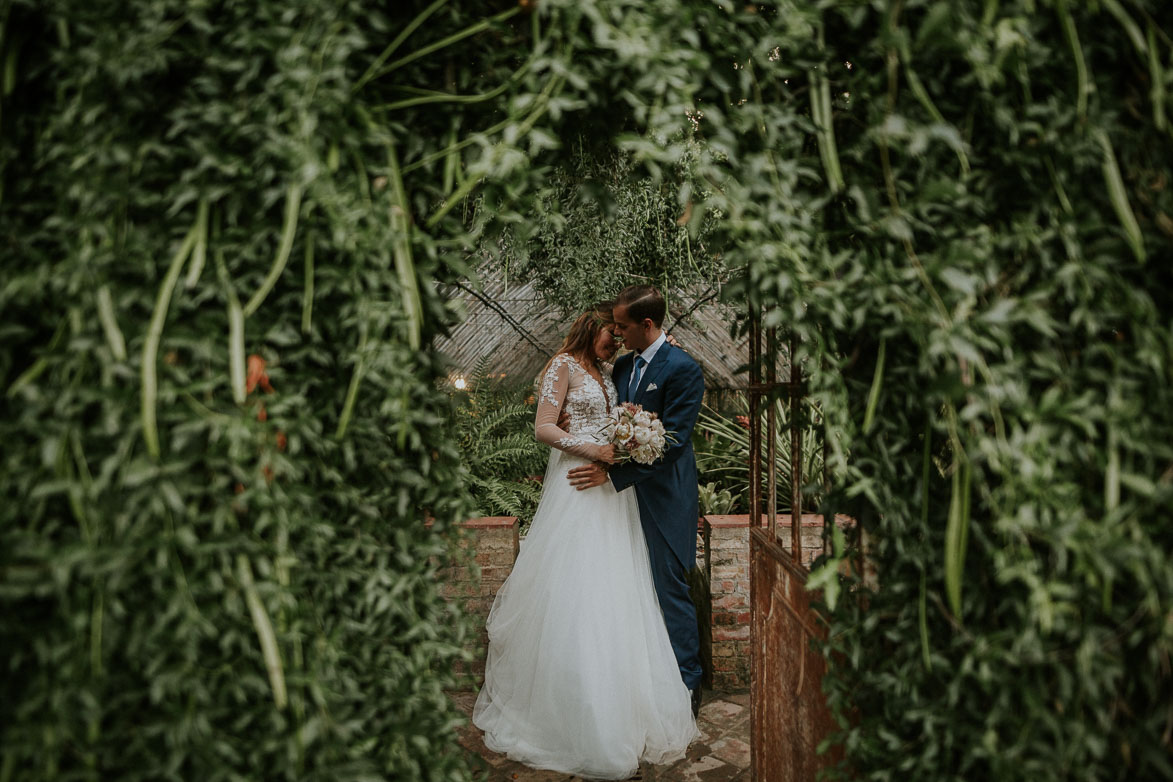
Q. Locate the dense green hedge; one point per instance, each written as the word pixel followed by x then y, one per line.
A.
pixel 199 578
pixel 1009 416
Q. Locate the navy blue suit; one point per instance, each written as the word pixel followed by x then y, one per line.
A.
pixel 672 387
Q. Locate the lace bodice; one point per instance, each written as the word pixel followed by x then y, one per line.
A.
pixel 587 401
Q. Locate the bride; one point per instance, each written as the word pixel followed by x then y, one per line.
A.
pixel 580 676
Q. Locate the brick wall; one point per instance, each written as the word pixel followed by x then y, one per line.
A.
pixel 728 562
pixel 494 542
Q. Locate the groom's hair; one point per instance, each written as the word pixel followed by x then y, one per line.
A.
pixel 643 301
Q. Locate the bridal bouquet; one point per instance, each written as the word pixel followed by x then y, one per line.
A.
pixel 636 434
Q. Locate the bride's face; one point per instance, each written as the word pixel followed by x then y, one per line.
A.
pixel 605 344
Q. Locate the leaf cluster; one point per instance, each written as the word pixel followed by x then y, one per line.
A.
pixel 200 577
pixel 722 448
pixel 601 224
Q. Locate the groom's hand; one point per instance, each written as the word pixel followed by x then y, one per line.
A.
pixel 588 477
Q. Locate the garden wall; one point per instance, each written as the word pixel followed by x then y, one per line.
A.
pixel 495 542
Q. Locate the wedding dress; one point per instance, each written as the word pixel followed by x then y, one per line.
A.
pixel 580 676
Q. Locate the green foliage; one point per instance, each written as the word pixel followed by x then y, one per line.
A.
pixel 714 500
pixel 722 452
pixel 494 430
pixel 199 579
pixel 602 225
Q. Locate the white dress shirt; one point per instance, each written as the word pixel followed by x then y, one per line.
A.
pixel 647 355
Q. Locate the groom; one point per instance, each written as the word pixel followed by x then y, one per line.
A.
pixel 664 380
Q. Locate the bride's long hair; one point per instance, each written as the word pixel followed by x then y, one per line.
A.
pixel 580 340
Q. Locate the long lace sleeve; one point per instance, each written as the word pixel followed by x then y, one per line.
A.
pixel 555 385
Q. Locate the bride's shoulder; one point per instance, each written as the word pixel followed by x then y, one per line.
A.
pixel 561 364
pixel 562 360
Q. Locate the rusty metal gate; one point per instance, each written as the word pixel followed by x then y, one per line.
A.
pixel 789 716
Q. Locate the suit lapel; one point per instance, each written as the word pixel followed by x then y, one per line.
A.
pixel 622 376
pixel 659 362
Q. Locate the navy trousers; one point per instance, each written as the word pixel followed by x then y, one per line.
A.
pixel 671 580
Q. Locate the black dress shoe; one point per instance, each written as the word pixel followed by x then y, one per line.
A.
pixel 696 702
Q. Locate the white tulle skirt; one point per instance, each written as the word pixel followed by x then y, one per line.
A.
pixel 580 676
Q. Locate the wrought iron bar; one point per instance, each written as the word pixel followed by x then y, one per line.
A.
pixel 755 428
pixel 795 456
pixel 827 515
pixel 772 431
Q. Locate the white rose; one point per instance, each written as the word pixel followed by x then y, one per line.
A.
pixel 644 455
pixel 642 418
pixel 658 442
pixel 622 433
pixel 658 426
pixel 643 435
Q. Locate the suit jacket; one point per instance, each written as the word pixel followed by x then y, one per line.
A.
pixel 672 386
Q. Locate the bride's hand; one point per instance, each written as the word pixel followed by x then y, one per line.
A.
pixel 606 454
pixel 671 340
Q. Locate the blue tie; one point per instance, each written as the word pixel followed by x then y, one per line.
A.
pixel 636 371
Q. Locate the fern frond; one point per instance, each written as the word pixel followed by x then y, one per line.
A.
pixel 511 498
pixel 480 374
pixel 503 416
pixel 507 457
pixel 494 426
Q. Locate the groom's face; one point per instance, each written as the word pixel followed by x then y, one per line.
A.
pixel 636 334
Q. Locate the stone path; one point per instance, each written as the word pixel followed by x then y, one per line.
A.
pixel 720 754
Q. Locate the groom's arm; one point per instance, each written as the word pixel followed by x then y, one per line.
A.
pixel 683 391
